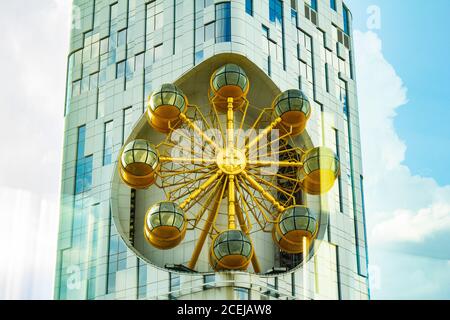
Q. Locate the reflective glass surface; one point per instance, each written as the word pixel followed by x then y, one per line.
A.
pixel 139 151
pixel 223 22
pixel 292 100
pixel 168 94
pixel 165 214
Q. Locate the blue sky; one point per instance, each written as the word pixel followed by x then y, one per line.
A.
pixel 416 41
pixel 402 75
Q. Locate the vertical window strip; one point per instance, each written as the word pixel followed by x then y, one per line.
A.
pixel 107 143
pixel 83 167
pixel 249 7
pixel 338 153
pixel 223 22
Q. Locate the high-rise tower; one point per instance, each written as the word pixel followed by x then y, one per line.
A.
pixel 122 52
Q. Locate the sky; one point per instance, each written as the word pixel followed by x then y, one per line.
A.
pixel 402 74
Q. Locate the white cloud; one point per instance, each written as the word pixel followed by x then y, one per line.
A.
pixel 405 212
pixel 33 59
pixel 409 226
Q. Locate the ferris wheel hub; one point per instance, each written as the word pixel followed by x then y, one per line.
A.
pixel 231 161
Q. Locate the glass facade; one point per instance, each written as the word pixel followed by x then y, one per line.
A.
pixel 108 143
pixel 333 5
pixel 83 175
pixel 121 53
pixel 223 22
pixel 276 11
pixel 249 7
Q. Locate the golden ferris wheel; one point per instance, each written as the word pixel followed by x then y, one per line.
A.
pixel 228 175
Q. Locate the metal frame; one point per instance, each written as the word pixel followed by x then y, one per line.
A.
pixel 226 170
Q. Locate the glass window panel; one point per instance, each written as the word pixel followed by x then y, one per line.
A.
pixel 121 38
pixel 84 84
pixel 246 249
pixel 129 68
pixel 139 62
pixel 199 4
pixel 93 81
pixel 127 123
pixel 78 57
pixel 76 88
pixel 169 98
pixel 276 11
pixel 104 43
pixel 234 236
pixel 140 156
pixel 159 21
pixel 220 250
pixel 154 221
pixel 301 223
pixel 178 222
pixel 209 31
pixel 114 11
pixel 242 82
pixel 87 53
pixel 223 22
pixel 312 226
pixel 95 49
pixel 157 53
pixel 249 7
pixel 232 78
pixel 241 293
pixel 235 247
pixel 167 218
pixel 152 160
pixel 108 143
pixel 166 206
pixel 120 69
pixel 287 225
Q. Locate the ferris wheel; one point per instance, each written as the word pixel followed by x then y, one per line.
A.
pixel 228 175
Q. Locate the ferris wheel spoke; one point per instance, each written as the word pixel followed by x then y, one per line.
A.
pixel 199 131
pixel 268 144
pixel 271 185
pixel 187 160
pixel 184 150
pixel 263 210
pixel 231 202
pixel 207 191
pixel 182 182
pixel 198 111
pixel 189 188
pixel 269 197
pixel 230 124
pixel 246 224
pixel 277 174
pixel 184 171
pixel 254 260
pixel 196 193
pixel 174 173
pixel 219 122
pixel 208 201
pixel 264 133
pixel 268 163
pixel 193 139
pixel 282 152
pixel 206 228
pixel 257 121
